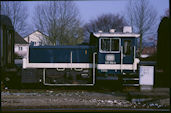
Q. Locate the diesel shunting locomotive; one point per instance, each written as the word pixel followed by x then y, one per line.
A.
pixel 108 56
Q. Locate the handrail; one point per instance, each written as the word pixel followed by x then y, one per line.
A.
pixel 94 66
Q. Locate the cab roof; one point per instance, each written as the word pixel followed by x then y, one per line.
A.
pixel 116 34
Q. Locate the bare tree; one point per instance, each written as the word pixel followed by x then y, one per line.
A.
pixel 60 20
pixel 105 22
pixel 142 17
pixel 17 12
pixel 167 13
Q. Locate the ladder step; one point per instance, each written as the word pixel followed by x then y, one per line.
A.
pixel 130 84
pixel 130 78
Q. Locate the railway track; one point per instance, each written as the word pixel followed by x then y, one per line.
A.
pixel 84 109
pixel 78 100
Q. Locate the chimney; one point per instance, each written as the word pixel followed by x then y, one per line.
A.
pixel 112 30
pixel 127 29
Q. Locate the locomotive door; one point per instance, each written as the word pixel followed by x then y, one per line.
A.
pixel 128 51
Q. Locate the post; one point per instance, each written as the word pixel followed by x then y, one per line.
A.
pixel 121 58
pixel 94 66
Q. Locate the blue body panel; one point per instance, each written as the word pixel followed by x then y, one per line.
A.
pixel 127 59
pixel 101 57
pixel 60 54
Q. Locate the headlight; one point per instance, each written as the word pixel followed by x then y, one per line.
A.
pixel 110 57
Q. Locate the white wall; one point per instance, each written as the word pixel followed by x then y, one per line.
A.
pixel 36 37
pixel 21 52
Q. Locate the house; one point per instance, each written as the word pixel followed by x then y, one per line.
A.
pixel 148 51
pixel 21 46
pixel 36 38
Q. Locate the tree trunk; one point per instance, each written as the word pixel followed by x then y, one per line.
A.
pixel 140 43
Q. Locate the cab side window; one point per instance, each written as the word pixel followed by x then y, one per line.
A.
pixel 105 44
pixel 127 47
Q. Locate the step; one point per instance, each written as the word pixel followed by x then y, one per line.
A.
pixel 130 84
pixel 130 78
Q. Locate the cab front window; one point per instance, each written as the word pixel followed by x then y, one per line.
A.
pixel 105 44
pixel 114 44
pixel 109 45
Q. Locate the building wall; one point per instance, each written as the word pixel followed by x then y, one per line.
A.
pixel 21 50
pixel 36 39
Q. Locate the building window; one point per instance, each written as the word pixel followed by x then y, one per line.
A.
pixel 40 43
pixel 127 47
pixel 109 45
pixel 34 43
pixel 20 48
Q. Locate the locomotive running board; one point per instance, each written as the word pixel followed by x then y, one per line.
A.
pixel 94 66
pixel 133 66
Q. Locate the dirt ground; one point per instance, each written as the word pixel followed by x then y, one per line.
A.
pixel 15 99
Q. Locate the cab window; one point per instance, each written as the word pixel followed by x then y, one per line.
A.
pixel 114 44
pixel 105 44
pixel 127 47
pixel 109 45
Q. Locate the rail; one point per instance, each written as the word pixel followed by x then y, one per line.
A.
pixel 86 109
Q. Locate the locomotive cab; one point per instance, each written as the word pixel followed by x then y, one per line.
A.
pixel 116 53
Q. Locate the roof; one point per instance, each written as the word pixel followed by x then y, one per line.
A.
pixel 19 39
pixel 5 20
pixel 34 32
pixel 116 34
pixel 149 50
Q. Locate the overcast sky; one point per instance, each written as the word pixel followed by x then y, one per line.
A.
pixel 90 9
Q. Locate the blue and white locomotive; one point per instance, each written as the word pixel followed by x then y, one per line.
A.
pixel 108 56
